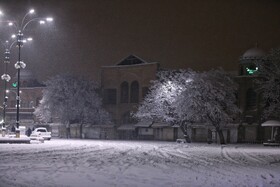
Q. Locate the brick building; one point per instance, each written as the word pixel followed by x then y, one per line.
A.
pixel 30 95
pixel 123 86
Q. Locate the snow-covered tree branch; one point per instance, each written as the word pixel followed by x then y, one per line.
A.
pixel 209 98
pixel 186 97
pixel 67 98
pixel 269 71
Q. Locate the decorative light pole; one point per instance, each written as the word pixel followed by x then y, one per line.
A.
pixel 20 64
pixel 6 79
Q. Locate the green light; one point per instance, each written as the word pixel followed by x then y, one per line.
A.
pixel 251 71
pixel 14 84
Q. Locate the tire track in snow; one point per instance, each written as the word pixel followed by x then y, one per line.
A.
pixel 206 161
pixel 227 156
pixel 250 157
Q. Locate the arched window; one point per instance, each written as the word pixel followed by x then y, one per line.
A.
pixel 134 92
pixel 251 98
pixel 124 92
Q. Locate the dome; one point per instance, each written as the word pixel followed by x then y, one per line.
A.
pixel 253 53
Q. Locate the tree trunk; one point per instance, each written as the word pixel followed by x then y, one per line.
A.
pixel 221 136
pixel 81 131
pixel 186 136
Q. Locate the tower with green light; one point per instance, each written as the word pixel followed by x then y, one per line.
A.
pixel 247 62
pixel 249 96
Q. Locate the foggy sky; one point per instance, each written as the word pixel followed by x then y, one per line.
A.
pixel 197 34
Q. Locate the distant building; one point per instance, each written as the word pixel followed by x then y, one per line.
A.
pixel 30 95
pixel 248 127
pixel 124 86
pixel 249 97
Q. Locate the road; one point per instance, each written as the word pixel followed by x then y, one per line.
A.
pixel 84 163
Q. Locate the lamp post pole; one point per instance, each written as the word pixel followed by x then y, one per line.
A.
pixel 20 64
pixel 6 79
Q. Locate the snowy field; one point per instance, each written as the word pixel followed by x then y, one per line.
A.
pixel 94 163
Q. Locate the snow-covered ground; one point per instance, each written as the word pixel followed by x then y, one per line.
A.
pixel 88 163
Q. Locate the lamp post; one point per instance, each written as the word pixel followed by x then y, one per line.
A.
pixel 20 64
pixel 6 79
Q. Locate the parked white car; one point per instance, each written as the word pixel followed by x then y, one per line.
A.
pixel 36 138
pixel 41 132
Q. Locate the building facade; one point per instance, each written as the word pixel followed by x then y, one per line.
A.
pixel 124 86
pixel 249 97
pixel 30 95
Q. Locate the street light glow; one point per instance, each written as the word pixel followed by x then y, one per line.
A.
pixel 8 91
pixel 10 23
pixel 1 13
pixel 27 40
pixel 31 11
pixel 42 22
pixel 13 36
pixel 49 19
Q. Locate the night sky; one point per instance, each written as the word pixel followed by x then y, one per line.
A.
pixel 197 34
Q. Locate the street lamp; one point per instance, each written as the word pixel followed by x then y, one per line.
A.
pixel 8 91
pixel 20 64
pixel 6 77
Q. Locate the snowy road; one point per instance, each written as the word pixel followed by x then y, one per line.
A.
pixel 88 163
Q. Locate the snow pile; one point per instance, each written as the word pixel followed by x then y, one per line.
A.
pixel 13 139
pixel 86 163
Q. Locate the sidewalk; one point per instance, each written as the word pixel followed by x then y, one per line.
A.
pixel 13 139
